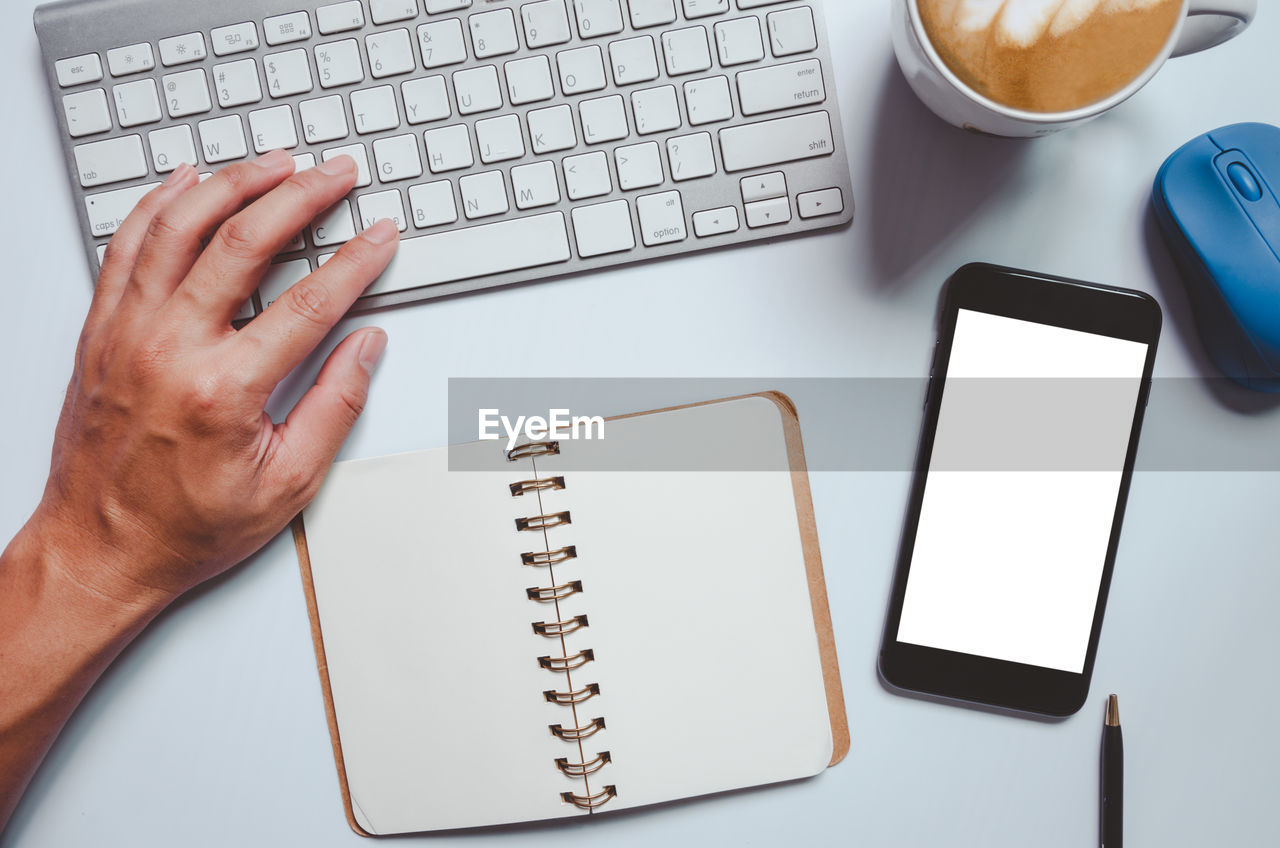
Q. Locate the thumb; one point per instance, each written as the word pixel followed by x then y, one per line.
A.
pixel 320 422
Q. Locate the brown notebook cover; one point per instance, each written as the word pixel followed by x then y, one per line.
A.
pixel 813 567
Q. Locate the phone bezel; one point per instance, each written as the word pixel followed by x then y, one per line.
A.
pixel 1058 302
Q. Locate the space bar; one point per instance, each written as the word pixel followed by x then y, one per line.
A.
pixel 475 252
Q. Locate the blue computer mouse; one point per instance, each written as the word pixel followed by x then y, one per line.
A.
pixel 1215 199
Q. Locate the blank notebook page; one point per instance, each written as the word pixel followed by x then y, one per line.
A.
pixel 700 624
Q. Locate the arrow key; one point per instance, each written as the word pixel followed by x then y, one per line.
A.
pixel 815 204
pixel 763 186
pixel 714 222
pixel 768 213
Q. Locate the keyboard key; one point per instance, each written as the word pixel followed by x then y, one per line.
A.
pixel 339 63
pixel 763 186
pixel 186 93
pixel 273 129
pixel 774 142
pixel 448 148
pixel 781 87
pixel 529 80
pixel 738 41
pixel 768 213
pixel 647 13
pixel 815 204
pixel 691 156
pixel 535 185
pixel 384 204
pixel 108 210
pixel 390 53
pixel 545 23
pixel 703 8
pixel 754 4
pixel 323 119
pixel 397 158
pixel 374 109
pixel 425 99
pixel 433 204
pixel 581 69
pixel 791 31
pixel 339 17
pixel 390 11
pixel 86 112
pixel 633 60
pixel 181 49
pixel 707 100
pixel 493 33
pixel 655 109
pixel 603 119
pixel 598 17
pixel 76 70
pixel 133 59
pixel 335 226
pixel 364 174
pixel 237 83
pixel 288 73
pixel 222 139
pixel 236 38
pixel 483 194
pixel 462 254
pixel 686 50
pixel 172 146
pixel 280 277
pixel 715 222
pixel 110 161
pixel 587 175
pixel 442 43
pixel 286 29
pixel 499 139
pixel 137 103
pixel 551 129
pixel 639 165
pixel 434 7
pixel 603 228
pixel 303 161
pixel 661 218
pixel 477 89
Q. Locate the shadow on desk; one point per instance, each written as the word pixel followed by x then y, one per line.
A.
pixel 927 178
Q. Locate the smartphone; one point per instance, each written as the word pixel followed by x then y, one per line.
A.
pixel 1031 425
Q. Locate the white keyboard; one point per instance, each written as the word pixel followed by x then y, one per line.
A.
pixel 509 141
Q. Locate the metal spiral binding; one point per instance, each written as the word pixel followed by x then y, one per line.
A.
pixel 570 697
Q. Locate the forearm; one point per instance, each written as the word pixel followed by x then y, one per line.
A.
pixel 57 635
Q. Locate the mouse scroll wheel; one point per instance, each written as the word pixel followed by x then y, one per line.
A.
pixel 1244 181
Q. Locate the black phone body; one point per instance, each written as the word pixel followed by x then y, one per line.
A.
pixel 1031 425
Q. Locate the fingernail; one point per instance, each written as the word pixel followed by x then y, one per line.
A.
pixel 371 349
pixel 273 160
pixel 382 231
pixel 337 166
pixel 180 175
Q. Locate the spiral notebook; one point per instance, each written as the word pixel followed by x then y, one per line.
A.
pixel 532 640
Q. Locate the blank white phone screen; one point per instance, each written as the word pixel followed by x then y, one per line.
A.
pixel 1021 491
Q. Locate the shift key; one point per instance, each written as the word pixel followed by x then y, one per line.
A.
pixel 757 145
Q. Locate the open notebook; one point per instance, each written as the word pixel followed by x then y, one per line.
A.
pixel 647 636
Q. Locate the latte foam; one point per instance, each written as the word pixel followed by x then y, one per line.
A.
pixel 1048 55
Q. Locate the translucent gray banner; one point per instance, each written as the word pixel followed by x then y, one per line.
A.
pixel 874 424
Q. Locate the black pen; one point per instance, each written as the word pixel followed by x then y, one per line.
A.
pixel 1112 778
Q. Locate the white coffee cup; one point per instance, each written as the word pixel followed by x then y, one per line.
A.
pixel 1203 24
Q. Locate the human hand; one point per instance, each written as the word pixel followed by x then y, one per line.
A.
pixel 166 469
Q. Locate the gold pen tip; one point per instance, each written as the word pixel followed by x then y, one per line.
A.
pixel 1113 711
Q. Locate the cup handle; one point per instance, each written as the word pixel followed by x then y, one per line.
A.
pixel 1211 22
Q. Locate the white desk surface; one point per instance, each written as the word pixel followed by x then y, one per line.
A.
pixel 210 729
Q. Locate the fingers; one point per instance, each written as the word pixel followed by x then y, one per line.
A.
pixel 176 235
pixel 319 424
pixel 271 345
pixel 122 250
pixel 231 266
